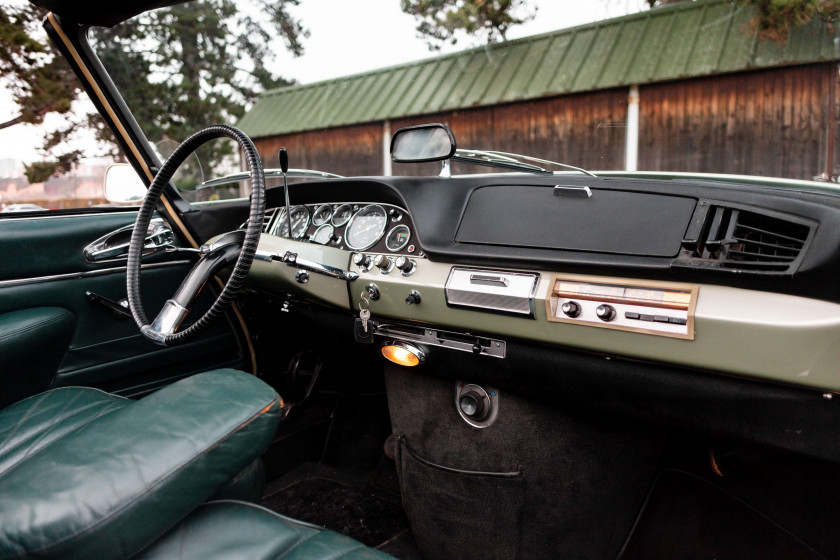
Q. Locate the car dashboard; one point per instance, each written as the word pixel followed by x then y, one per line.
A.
pixel 707 275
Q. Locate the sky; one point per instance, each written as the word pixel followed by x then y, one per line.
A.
pixel 352 37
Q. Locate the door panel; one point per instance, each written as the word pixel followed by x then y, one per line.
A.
pixel 32 343
pixel 44 267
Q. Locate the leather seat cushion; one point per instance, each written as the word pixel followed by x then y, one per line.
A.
pixel 228 529
pixel 108 476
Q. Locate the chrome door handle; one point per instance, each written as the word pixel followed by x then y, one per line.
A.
pixel 114 246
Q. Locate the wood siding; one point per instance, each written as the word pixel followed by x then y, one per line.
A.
pixel 777 122
pixel 585 130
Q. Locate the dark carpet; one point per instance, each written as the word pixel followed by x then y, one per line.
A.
pixel 361 515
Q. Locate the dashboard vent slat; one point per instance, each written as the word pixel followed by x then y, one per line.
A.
pixel 267 218
pixel 747 241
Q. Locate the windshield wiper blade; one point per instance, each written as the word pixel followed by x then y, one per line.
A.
pixel 269 174
pixel 513 162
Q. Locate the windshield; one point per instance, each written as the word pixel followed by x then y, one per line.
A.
pixel 647 87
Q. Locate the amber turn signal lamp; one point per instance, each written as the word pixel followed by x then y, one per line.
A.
pixel 403 354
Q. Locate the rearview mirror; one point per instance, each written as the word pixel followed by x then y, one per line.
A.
pixel 123 185
pixel 426 142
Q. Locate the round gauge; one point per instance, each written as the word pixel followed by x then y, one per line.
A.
pixel 323 234
pixel 300 221
pixel 366 227
pixel 322 215
pixel 398 238
pixel 342 215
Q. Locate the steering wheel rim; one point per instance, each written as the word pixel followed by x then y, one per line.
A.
pixel 214 257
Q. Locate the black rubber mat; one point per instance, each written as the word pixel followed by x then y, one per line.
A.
pixel 361 515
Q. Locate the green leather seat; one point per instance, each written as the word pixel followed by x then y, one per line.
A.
pixel 228 529
pixel 85 474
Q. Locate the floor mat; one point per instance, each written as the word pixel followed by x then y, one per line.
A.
pixel 360 515
pixel 687 517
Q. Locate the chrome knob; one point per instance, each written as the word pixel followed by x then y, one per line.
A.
pixel 361 260
pixel 382 262
pixel 404 264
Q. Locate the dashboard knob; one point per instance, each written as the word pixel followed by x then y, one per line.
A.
pixel 472 405
pixel 605 312
pixel 361 260
pixel 571 308
pixel 382 262
pixel 404 264
pixel 413 298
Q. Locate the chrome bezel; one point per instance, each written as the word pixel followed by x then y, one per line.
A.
pixel 408 347
pixel 353 220
pixel 335 213
pixel 407 239
pixel 318 211
pixel 322 226
pixel 279 222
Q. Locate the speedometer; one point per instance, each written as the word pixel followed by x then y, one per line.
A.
pixel 300 221
pixel 366 227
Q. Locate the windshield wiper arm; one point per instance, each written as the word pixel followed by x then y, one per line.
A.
pixel 505 160
pixel 269 174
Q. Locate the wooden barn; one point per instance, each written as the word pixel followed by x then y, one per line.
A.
pixel 690 87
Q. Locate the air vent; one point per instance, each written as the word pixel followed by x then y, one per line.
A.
pixel 760 242
pixel 746 241
pixel 267 217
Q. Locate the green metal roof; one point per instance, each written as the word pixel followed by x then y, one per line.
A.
pixel 686 40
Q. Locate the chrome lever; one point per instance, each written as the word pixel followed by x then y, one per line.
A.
pixel 292 259
pixel 114 246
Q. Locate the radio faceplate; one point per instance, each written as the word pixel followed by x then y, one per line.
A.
pixel 660 308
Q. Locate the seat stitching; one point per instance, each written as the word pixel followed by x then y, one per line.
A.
pixel 160 481
pixel 345 552
pixel 56 389
pixel 31 326
pixel 258 507
pixel 297 544
pixel 31 454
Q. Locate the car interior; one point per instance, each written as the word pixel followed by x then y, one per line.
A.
pixel 522 363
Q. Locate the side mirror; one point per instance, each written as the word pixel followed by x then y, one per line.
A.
pixel 123 185
pixel 426 142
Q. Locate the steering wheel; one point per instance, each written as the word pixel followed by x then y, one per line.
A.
pixel 235 246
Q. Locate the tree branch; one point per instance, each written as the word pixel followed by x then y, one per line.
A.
pixel 12 122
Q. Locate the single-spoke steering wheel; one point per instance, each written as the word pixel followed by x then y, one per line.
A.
pixel 236 246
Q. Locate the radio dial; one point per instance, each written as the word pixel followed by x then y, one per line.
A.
pixel 571 308
pixel 605 312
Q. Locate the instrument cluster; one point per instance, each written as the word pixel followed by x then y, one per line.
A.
pixel 381 228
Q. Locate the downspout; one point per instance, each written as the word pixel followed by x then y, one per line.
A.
pixel 386 148
pixel 631 147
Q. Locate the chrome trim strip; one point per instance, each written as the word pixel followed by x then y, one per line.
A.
pixel 437 337
pixel 44 216
pixel 85 274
